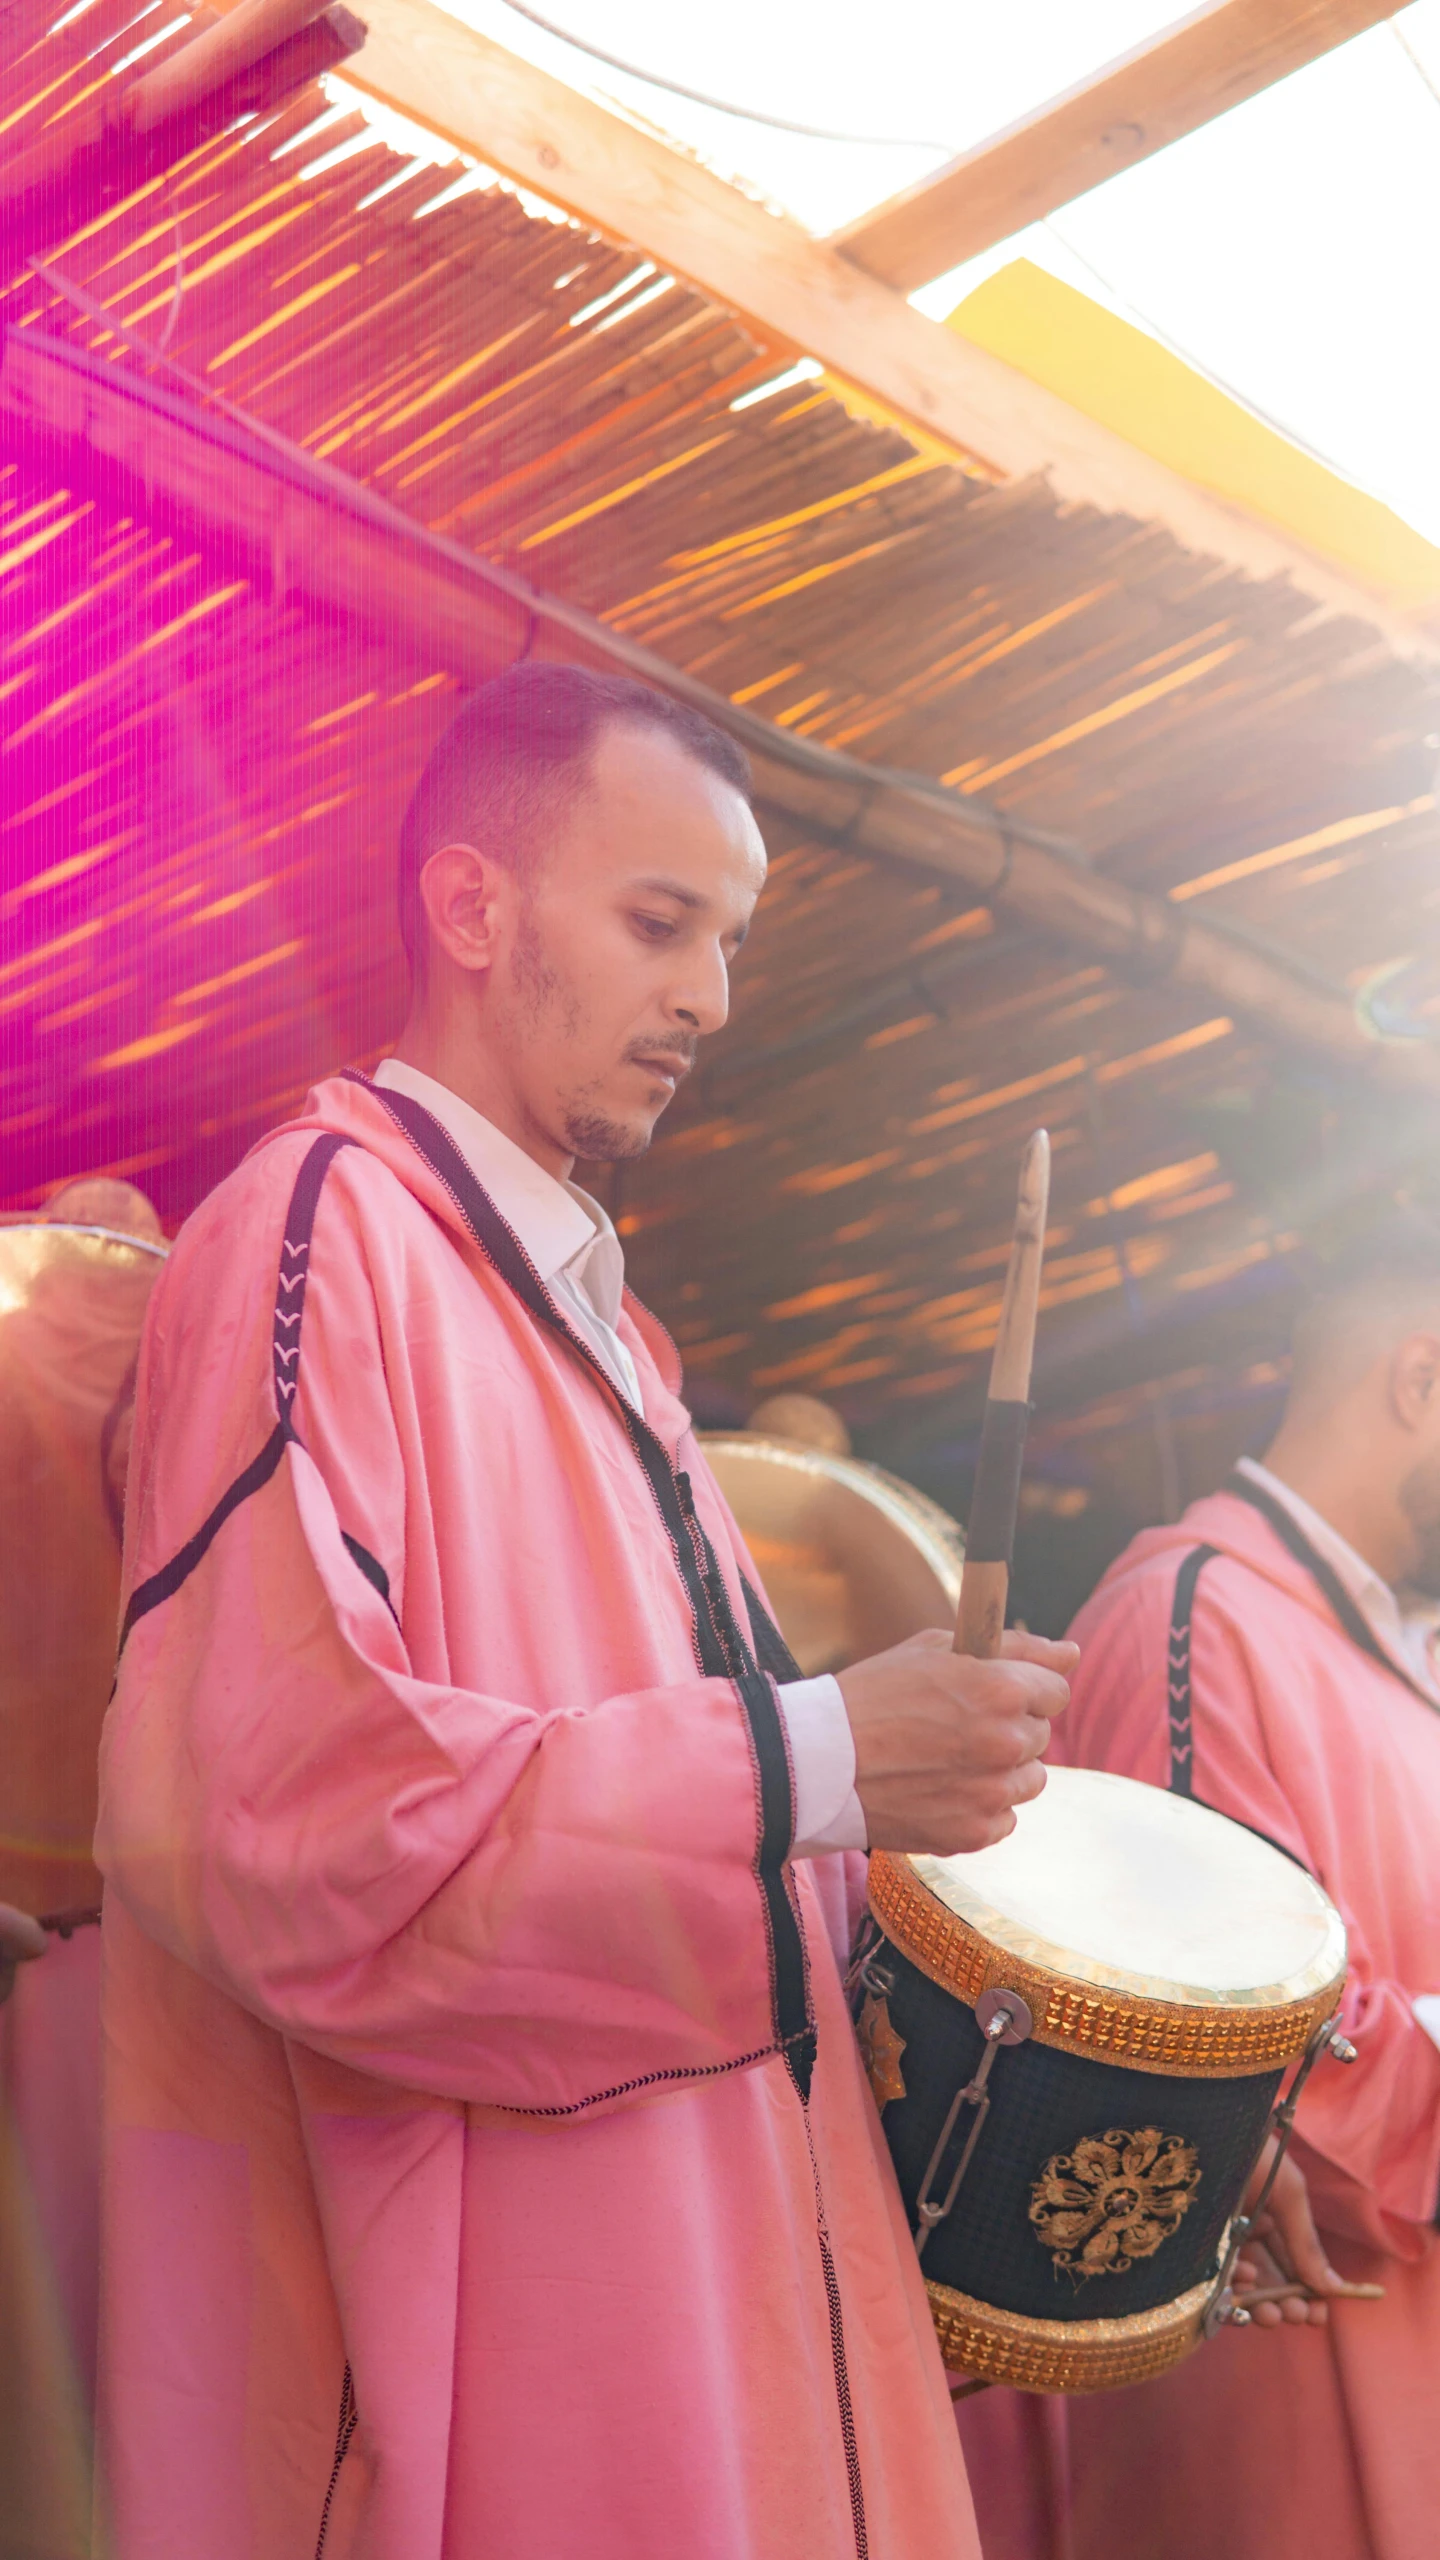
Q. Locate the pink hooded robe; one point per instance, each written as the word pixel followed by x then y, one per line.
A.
pixel 489 2165
pixel 1296 2444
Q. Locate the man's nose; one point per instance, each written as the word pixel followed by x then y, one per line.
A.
pixel 702 1001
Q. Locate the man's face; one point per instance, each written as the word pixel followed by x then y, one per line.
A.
pixel 612 958
pixel 1420 1502
pixel 1415 1391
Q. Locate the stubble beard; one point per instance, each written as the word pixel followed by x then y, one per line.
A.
pixel 600 1140
pixel 542 998
pixel 1420 1502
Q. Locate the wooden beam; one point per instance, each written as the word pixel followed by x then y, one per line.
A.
pixel 1171 85
pixel 298 527
pixel 245 62
pixel 212 60
pixel 798 295
pixel 253 502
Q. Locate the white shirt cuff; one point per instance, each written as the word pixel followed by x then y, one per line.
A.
pixel 1426 2008
pixel 828 1812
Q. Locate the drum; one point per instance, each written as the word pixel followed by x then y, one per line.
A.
pixel 72 1301
pixel 1076 2039
pixel 852 1559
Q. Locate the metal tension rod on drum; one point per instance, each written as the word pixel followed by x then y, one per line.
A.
pixel 1003 2018
pixel 1222 2305
pixel 990 1532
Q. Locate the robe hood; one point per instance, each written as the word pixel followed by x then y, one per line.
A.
pixel 1235 1528
pixel 348 1105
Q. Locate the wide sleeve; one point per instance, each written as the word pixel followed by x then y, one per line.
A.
pixel 1367 2134
pixel 451 1891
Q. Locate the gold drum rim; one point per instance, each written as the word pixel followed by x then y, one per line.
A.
pixel 1064 2355
pixel 1177 2040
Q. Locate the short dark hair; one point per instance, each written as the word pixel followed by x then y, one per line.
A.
pixel 1382 1277
pixel 518 752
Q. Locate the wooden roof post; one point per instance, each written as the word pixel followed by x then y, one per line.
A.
pixel 1167 87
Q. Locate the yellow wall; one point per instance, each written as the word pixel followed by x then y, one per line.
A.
pixel 1117 375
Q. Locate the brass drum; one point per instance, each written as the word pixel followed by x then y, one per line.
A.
pixel 72 1301
pixel 1076 2039
pixel 852 1559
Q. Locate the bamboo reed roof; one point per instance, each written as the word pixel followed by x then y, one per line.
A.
pixel 200 788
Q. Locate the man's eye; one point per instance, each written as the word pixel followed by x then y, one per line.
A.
pixel 654 928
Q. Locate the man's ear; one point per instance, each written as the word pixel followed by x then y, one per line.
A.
pixel 461 893
pixel 1415 1380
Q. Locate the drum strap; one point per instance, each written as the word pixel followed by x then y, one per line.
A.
pixel 1182 1733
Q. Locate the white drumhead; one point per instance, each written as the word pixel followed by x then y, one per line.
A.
pixel 1127 1887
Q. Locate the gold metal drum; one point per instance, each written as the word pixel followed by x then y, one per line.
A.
pixel 1076 2038
pixel 72 1301
pixel 852 1559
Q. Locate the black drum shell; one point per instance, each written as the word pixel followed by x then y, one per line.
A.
pixel 1044 2101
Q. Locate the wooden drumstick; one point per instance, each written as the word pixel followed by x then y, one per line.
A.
pixel 1303 2293
pixel 64 1923
pixel 990 1537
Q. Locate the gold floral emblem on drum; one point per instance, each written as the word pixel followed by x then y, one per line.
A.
pixel 1115 2198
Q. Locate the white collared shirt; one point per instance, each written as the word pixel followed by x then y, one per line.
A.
pixel 581 1261
pixel 567 1235
pixel 1404 1633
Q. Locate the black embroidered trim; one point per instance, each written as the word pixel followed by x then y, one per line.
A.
pixel 164 1584
pixel 295 1271
pixel 720 1649
pixel 371 1567
pixel 1292 1536
pixel 651 2080
pixel 349 2420
pixel 285 1366
pixel 789 1968
pixel 771 1650
pixel 1182 1730
pixel 1182 1762
pixel 840 2364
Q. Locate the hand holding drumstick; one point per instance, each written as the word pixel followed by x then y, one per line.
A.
pixel 950 1734
pixel 1284 2276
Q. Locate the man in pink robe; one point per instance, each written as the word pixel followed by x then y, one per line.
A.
pixel 1256 1656
pixel 489 2164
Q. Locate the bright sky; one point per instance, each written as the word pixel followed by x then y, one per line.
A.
pixel 1290 249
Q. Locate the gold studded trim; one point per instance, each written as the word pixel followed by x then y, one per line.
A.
pixel 1182 2042
pixel 1064 2355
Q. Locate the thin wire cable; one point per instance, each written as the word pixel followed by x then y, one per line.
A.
pixel 1413 57
pixel 721 106
pixel 1197 364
